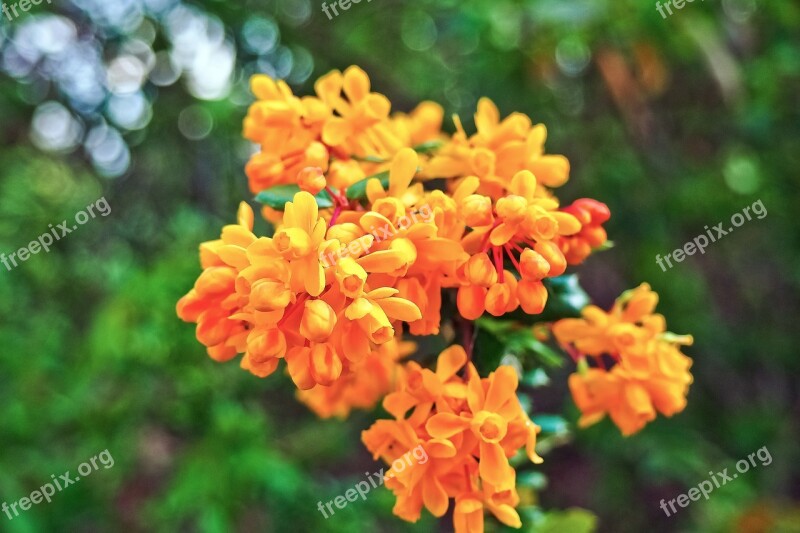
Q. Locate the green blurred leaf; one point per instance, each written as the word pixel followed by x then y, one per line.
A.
pixel 368 159
pixel 533 479
pixel 566 296
pixel 276 197
pixel 520 340
pixel 551 423
pixel 536 378
pixel 572 520
pixel 358 190
pixel 428 147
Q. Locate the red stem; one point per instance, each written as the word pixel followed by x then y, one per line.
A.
pixel 293 309
pixel 510 253
pixel 498 263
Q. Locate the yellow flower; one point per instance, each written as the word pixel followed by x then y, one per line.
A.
pixel 360 126
pixel 299 240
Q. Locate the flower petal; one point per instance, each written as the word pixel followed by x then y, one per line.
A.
pixel 445 425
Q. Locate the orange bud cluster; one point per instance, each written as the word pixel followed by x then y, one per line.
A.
pixel 646 372
pixel 592 215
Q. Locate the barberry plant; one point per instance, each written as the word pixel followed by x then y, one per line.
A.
pixel 387 229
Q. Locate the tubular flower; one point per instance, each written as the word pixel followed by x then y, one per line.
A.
pixel 647 372
pixel 468 427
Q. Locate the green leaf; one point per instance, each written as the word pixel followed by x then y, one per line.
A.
pixel 428 147
pixel 368 159
pixel 536 378
pixel 551 423
pixel 358 190
pixel 573 520
pixel 498 327
pixel 520 340
pixel 276 197
pixel 524 341
pixel 566 296
pixel 533 479
pixel 605 246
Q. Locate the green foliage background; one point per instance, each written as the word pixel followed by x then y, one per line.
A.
pixel 676 123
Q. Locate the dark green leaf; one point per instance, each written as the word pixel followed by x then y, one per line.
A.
pixel 358 190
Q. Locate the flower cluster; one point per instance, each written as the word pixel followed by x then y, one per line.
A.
pixel 342 131
pixel 381 219
pixel 637 367
pixel 469 428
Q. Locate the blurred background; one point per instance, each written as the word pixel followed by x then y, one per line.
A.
pixel 676 123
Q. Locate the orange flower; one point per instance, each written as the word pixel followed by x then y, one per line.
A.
pixel 213 300
pixel 360 125
pixel 363 385
pixel 522 227
pixel 468 429
pixel 271 299
pixel 649 373
pixel 499 150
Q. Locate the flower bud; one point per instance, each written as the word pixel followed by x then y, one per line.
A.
pixel 318 321
pixel 532 265
pixel 345 232
pixel 264 345
pixel 326 366
pixel 552 253
pixel 479 270
pixel 532 296
pixel 471 301
pixel 512 208
pixel 269 295
pixel 477 210
pixel 215 280
pixel 499 299
pixel 311 180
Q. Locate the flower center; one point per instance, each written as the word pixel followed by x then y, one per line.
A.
pixel 489 427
